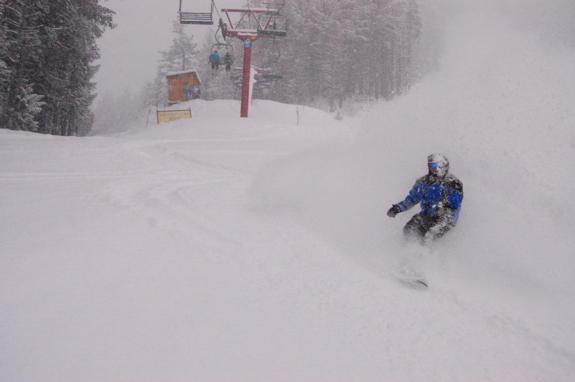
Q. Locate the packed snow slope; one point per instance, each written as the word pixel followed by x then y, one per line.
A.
pixel 227 249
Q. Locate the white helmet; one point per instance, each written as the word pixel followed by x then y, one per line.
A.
pixel 438 164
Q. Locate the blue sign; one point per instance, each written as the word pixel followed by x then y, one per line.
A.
pixel 247 43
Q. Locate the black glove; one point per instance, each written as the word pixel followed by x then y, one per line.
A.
pixel 394 210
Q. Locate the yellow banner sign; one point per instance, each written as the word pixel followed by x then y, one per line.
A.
pixel 165 116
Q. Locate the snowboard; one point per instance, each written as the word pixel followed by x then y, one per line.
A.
pixel 418 284
pixel 410 278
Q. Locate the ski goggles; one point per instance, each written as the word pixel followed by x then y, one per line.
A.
pixel 434 165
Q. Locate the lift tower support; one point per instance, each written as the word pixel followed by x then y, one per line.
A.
pixel 248 24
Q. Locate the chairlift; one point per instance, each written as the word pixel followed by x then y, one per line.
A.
pixel 247 25
pixel 251 23
pixel 197 18
pixel 226 53
pixel 276 27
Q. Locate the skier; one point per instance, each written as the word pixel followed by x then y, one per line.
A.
pixel 215 60
pixel 440 195
pixel 228 60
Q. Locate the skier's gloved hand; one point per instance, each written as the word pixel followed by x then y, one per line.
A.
pixel 394 210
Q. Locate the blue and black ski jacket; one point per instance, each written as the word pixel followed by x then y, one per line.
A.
pixel 439 197
pixel 215 57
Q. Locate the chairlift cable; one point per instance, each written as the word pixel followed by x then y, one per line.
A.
pixel 216 8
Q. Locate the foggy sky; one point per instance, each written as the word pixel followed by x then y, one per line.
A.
pixel 130 52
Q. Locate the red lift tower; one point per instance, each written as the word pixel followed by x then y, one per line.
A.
pixel 246 24
pixel 249 24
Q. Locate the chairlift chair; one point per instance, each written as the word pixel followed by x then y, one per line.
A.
pixel 197 18
pixel 223 46
pixel 276 27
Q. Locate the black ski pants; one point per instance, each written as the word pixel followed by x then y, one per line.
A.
pixel 427 228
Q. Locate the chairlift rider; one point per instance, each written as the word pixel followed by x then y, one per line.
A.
pixel 214 59
pixel 228 61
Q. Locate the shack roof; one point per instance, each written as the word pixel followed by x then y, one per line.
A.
pixel 189 71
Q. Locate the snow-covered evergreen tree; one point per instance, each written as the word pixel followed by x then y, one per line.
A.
pixel 182 54
pixel 46 63
pixel 20 57
pixel 4 70
pixel 69 31
pixel 342 49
